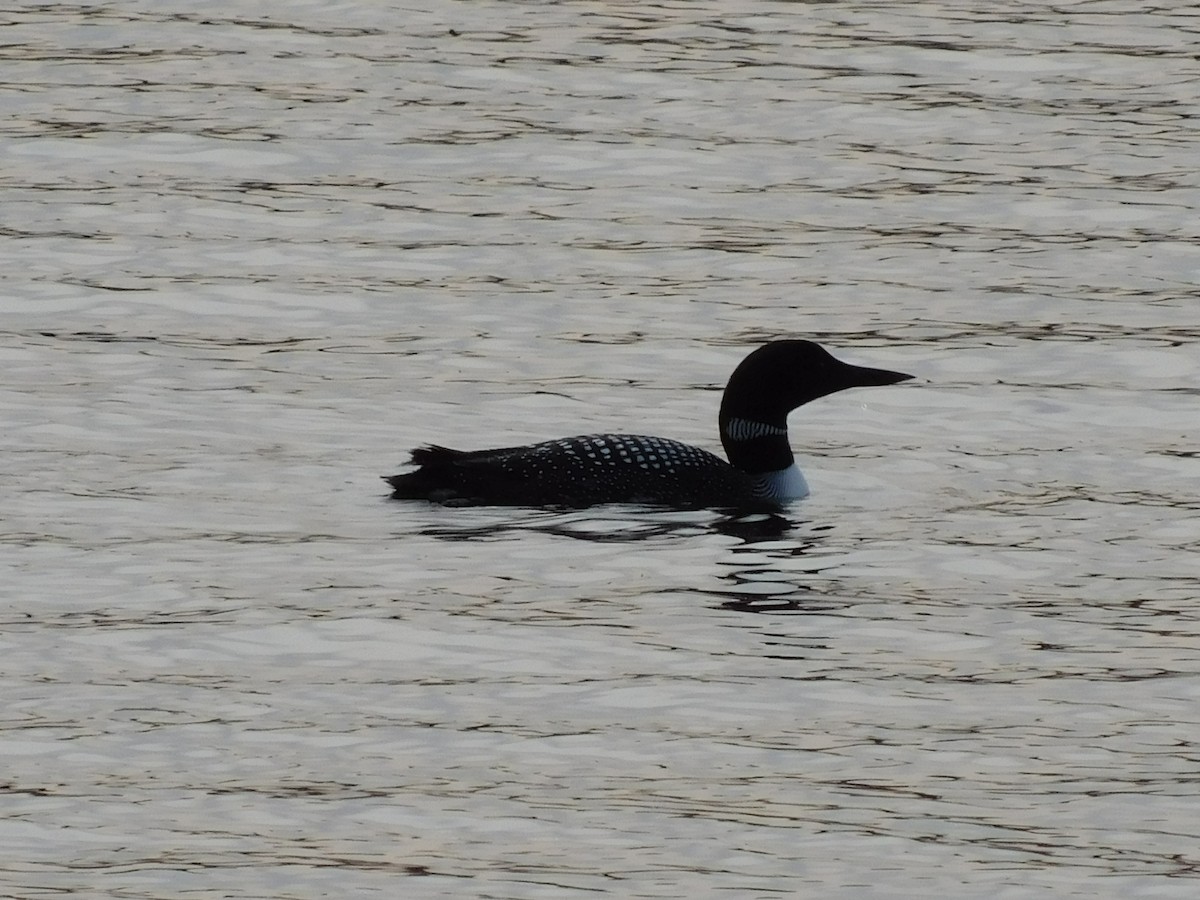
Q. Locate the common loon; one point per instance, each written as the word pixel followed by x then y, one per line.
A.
pixel 635 468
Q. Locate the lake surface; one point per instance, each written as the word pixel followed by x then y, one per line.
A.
pixel 254 254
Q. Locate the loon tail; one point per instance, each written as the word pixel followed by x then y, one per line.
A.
pixel 454 477
pixel 433 475
pixel 435 455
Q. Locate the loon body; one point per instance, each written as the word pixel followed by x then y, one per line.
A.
pixel 635 468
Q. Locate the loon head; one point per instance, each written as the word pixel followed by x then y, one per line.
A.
pixel 768 384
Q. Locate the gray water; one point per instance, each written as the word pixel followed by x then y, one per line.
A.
pixel 254 253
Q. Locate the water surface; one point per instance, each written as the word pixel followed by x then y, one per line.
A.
pixel 254 255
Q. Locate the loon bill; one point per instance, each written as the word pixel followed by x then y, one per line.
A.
pixel 634 468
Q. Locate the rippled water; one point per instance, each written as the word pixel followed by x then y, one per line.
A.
pixel 254 254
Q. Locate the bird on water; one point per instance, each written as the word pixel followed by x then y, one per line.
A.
pixel 590 469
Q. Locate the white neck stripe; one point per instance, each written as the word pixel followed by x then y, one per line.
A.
pixel 748 429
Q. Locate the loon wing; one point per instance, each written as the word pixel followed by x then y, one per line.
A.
pixel 576 472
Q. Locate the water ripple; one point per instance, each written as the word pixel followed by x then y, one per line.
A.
pixel 256 257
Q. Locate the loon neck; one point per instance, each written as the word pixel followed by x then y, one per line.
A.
pixel 756 447
pixel 771 382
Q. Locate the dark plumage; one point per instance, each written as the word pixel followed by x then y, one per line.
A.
pixel 575 471
pixel 632 468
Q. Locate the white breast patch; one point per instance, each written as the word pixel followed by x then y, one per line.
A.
pixel 785 484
